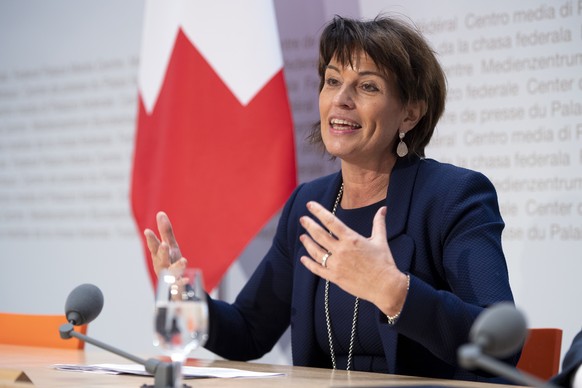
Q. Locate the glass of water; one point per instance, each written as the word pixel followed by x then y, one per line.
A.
pixel 181 316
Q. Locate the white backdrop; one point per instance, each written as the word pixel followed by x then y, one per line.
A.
pixel 67 120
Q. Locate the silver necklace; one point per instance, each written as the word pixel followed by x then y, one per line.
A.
pixel 326 306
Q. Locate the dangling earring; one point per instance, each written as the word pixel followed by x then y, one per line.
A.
pixel 402 149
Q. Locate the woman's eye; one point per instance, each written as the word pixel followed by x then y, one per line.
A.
pixel 368 87
pixel 331 82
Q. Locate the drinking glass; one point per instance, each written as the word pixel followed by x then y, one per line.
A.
pixel 181 316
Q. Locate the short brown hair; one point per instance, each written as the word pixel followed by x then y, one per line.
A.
pixel 399 49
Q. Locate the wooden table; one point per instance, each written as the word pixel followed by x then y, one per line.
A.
pixel 37 363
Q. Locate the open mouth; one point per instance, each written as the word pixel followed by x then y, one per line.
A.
pixel 344 125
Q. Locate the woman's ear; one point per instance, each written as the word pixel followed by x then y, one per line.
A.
pixel 415 111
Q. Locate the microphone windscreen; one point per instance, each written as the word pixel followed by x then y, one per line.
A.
pixel 83 304
pixel 499 330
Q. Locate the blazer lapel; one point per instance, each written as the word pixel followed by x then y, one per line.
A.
pixel 399 195
pixel 398 202
pixel 304 285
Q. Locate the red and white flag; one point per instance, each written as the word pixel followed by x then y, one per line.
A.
pixel 214 145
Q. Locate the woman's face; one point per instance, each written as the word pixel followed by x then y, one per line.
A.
pixel 360 112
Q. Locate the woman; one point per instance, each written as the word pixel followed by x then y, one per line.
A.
pixel 402 300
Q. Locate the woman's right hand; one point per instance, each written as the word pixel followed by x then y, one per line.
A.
pixel 165 253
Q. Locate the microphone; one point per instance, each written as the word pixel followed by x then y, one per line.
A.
pixel 82 306
pixel 499 331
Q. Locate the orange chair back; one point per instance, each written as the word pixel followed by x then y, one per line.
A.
pixel 541 352
pixel 37 330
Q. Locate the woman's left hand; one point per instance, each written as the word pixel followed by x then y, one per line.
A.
pixel 363 267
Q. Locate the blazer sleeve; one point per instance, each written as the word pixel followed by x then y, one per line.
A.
pixel 251 326
pixel 465 269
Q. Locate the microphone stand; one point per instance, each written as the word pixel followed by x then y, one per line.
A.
pixel 163 372
pixel 471 357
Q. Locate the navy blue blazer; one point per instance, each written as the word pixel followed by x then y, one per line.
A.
pixel 444 229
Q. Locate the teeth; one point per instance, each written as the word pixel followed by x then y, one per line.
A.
pixel 343 122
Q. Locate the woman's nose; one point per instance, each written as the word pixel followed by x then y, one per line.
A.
pixel 344 97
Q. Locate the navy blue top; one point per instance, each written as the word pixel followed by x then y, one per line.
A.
pixel 368 354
